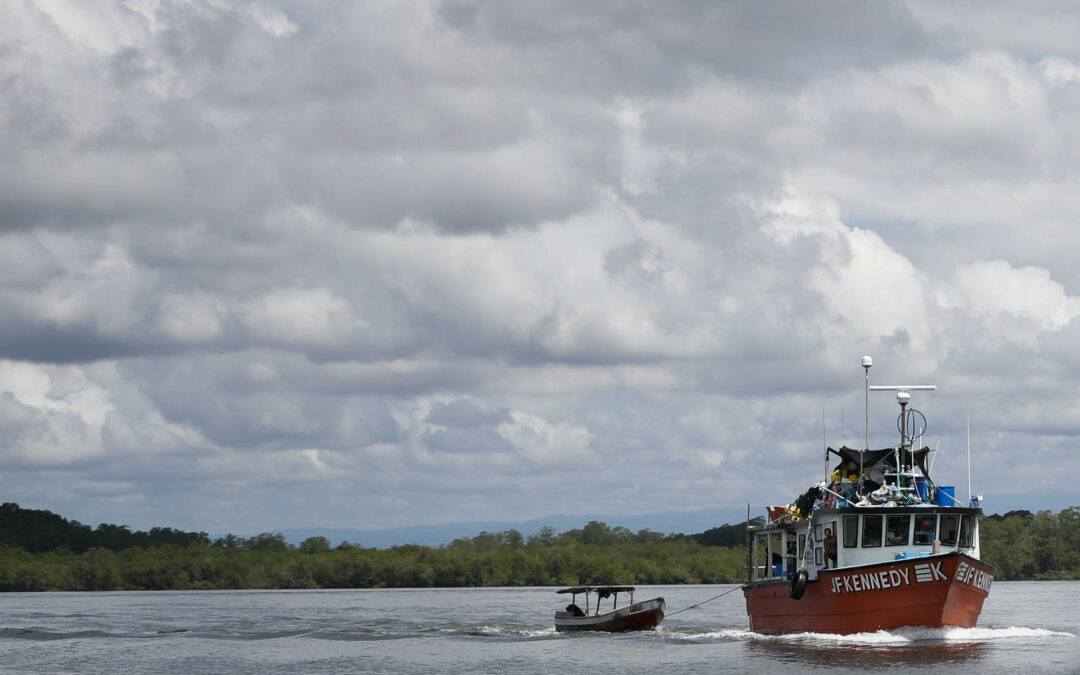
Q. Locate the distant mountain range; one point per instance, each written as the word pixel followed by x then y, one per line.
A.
pixel 670 522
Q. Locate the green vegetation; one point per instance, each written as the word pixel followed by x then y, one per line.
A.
pixel 595 554
pixel 41 531
pixel 40 551
pixel 1023 545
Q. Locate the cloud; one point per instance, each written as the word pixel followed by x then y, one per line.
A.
pixel 548 444
pixel 267 264
pixel 300 316
pixel 191 318
pixel 1010 303
pixel 869 290
pixel 463 414
pixel 65 415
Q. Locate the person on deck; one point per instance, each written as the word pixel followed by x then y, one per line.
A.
pixel 830 548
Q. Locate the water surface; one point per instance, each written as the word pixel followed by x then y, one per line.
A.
pixel 1025 626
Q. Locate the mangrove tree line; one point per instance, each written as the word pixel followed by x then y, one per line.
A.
pixel 40 551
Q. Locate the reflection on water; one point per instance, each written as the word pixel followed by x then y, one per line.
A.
pixel 868 655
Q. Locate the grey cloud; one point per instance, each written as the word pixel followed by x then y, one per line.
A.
pixel 266 404
pixel 459 444
pixel 354 252
pixel 463 414
pixel 641 47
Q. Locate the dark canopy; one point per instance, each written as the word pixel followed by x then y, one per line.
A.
pixel 872 458
pixel 603 591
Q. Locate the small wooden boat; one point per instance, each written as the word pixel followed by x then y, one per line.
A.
pixel 644 615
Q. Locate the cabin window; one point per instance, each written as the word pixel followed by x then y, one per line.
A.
pixel 925 529
pixel 851 531
pixel 761 555
pixel 817 532
pixel 818 556
pixel 871 531
pixel 776 553
pixel 802 546
pixel 950 525
pixel 967 531
pixel 896 530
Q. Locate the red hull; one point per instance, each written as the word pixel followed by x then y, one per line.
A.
pixel 935 591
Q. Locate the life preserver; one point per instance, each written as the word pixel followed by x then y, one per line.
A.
pixel 798 585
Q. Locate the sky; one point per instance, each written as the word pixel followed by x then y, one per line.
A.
pixel 376 264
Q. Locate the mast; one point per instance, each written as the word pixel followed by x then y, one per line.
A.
pixel 824 445
pixel 969 459
pixel 907 436
pixel 867 363
pixel 749 556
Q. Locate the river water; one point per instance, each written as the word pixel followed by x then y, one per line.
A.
pixel 1025 626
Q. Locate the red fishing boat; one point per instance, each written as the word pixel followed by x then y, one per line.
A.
pixel 876 546
pixel 644 615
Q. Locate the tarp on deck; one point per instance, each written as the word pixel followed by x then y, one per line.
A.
pixel 882 459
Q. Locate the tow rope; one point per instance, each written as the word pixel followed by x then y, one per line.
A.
pixel 730 590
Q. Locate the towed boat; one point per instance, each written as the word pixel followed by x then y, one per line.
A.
pixel 644 615
pixel 876 546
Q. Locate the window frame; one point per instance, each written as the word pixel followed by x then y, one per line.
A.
pixel 967 531
pixel 866 520
pixel 850 540
pixel 955 518
pixel 931 533
pixel 889 530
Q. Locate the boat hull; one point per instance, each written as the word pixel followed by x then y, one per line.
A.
pixel 644 615
pixel 934 591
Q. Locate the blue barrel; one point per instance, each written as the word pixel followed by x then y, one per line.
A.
pixel 923 487
pixel 945 495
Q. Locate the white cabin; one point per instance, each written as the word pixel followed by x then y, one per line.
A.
pixel 863 535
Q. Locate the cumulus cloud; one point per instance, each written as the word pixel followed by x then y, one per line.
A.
pixel 64 415
pixel 1010 303
pixel 870 291
pixel 266 265
pixel 300 316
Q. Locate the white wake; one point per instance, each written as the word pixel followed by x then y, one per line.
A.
pixel 899 636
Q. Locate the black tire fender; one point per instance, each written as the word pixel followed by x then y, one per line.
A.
pixel 798 585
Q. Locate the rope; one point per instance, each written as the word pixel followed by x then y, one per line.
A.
pixel 737 587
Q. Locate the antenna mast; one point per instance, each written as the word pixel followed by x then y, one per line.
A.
pixel 902 397
pixel 867 362
pixel 825 445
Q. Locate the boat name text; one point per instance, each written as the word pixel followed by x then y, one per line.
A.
pixel 968 574
pixel 890 578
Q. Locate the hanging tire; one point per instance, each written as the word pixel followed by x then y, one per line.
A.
pixel 798 585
